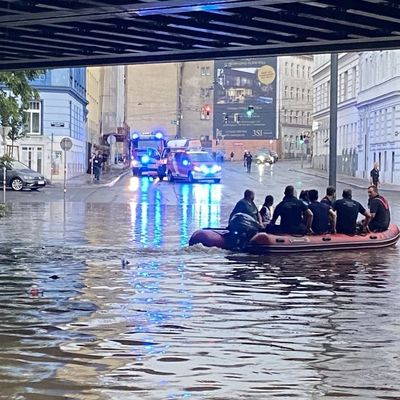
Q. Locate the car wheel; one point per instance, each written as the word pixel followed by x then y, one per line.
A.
pixel 217 180
pixel 17 184
pixel 191 179
pixel 170 177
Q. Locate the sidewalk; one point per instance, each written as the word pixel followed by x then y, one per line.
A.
pixel 110 178
pixel 351 181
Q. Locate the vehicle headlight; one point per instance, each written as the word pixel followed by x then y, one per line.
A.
pixel 134 163
pixel 262 158
pixel 215 168
pixel 197 169
pixel 145 159
pixel 27 177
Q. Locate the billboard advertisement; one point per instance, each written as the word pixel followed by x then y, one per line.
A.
pixel 245 105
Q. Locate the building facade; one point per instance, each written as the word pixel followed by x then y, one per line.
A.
pixel 368 113
pixel 60 112
pixel 94 107
pixel 296 105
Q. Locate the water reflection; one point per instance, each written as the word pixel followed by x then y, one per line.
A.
pixel 183 322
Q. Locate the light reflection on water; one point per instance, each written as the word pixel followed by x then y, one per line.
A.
pixel 186 322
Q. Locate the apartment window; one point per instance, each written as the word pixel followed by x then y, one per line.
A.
pixel 309 72
pixel 286 68
pixel 33 123
pixel 345 85
pixel 309 95
pixel 292 69
pixel 205 71
pixel 298 71
pixel 303 94
pixel 297 93
pixel 286 94
pixel 354 81
pixel 292 92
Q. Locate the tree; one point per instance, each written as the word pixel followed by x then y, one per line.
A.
pixel 15 95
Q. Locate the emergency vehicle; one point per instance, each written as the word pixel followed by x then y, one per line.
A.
pixel 174 146
pixel 146 149
pixel 193 166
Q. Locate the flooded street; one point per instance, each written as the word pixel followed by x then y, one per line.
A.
pixel 175 322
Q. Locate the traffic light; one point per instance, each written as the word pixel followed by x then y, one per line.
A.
pixel 250 111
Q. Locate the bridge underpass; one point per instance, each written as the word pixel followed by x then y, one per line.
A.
pixel 59 33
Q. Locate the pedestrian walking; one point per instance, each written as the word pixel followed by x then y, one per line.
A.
pixel 249 160
pixel 244 158
pixel 97 163
pixel 232 155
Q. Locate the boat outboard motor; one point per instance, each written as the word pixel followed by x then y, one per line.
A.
pixel 242 227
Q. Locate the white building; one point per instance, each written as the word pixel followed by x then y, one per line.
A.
pixel 368 113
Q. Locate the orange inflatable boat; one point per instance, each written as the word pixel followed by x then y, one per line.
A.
pixel 266 243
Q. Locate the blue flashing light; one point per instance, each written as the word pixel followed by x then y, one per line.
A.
pixel 145 159
pixel 135 136
pixel 159 135
pixel 185 163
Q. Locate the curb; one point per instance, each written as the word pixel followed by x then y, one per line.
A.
pixel 355 185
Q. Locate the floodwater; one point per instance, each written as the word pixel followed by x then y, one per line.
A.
pixel 178 322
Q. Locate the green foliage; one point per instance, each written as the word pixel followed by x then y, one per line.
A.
pixel 3 209
pixel 15 95
pixel 6 160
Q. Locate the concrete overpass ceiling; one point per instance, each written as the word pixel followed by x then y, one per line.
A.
pixel 57 33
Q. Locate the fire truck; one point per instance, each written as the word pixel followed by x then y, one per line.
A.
pixel 146 149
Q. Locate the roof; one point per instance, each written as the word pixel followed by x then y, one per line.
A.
pixel 59 33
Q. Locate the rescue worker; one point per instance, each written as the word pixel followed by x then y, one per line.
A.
pixel 347 211
pixel 379 210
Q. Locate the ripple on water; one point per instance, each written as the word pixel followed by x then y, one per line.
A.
pixel 180 322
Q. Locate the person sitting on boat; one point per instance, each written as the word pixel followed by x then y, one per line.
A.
pixel 303 196
pixel 324 218
pixel 347 211
pixel 291 211
pixel 266 210
pixel 379 210
pixel 247 206
pixel 330 196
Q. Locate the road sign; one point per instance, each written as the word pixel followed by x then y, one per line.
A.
pixel 111 139
pixel 66 144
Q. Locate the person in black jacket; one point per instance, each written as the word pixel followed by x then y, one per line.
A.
pixel 375 175
pixel 379 210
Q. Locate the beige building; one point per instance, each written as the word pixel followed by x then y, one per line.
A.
pixel 152 97
pixel 93 76
pixel 296 104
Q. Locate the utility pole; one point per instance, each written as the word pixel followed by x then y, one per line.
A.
pixel 179 101
pixel 333 120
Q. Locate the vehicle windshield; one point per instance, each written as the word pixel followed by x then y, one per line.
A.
pixel 19 166
pixel 201 157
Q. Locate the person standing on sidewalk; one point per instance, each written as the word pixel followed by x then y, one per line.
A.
pixel 97 162
pixel 375 175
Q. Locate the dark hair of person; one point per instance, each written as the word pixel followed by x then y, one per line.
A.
pixel 330 191
pixel 347 193
pixel 304 196
pixel 313 195
pixel 374 188
pixel 269 200
pixel 289 190
pixel 247 193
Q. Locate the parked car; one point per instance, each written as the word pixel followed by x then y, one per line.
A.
pixel 19 176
